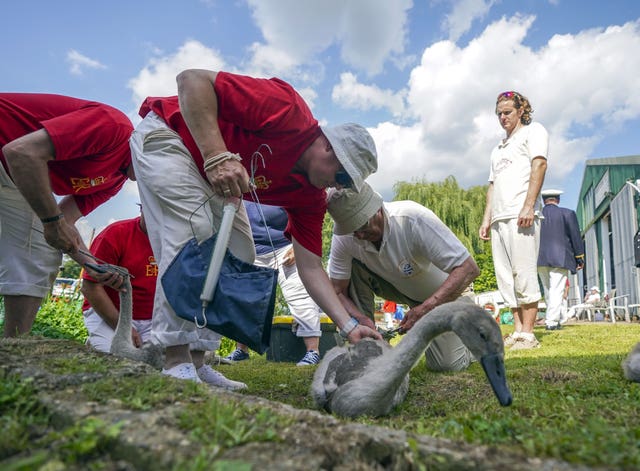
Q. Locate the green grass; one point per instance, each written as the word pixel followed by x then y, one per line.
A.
pixel 571 401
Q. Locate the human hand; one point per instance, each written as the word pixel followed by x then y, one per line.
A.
pixel 525 218
pixel 364 320
pixel 135 338
pixel 289 258
pixel 229 178
pixel 62 236
pixel 361 332
pixel 108 275
pixel 484 231
pixel 412 316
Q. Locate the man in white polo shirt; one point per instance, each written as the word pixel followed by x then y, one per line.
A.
pixel 402 252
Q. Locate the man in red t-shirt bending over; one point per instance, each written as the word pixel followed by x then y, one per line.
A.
pixel 193 150
pixel 52 144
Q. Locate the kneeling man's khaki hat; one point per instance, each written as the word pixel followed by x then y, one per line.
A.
pixel 351 210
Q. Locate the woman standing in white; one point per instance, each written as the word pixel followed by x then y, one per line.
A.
pixel 511 217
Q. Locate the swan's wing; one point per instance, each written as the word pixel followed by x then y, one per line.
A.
pixel 323 384
pixel 358 358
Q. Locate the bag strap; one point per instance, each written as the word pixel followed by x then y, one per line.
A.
pixel 256 159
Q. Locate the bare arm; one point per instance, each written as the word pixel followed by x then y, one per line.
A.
pixel 102 304
pixel 538 170
pixel 319 287
pixel 27 159
pixel 342 290
pixel 485 227
pixel 457 281
pixel 199 108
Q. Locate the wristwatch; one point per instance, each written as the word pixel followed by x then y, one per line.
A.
pixel 346 329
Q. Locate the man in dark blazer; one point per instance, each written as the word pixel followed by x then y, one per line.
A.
pixel 561 252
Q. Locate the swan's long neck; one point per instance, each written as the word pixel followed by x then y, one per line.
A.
pixel 399 360
pixel 122 334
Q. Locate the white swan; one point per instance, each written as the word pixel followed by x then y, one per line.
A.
pixel 631 364
pixel 371 377
pixel 122 345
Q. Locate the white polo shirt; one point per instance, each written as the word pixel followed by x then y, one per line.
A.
pixel 417 253
pixel 511 170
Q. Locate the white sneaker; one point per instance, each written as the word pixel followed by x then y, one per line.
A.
pixel 183 371
pixel 525 344
pixel 510 339
pixel 215 378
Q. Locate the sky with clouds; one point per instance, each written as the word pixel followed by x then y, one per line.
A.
pixel 421 75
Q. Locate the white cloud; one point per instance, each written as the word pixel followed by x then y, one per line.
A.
pixel 367 32
pixel 158 78
pixel 351 94
pixel 309 94
pixel 85 229
pixel 463 13
pixel 582 87
pixel 79 62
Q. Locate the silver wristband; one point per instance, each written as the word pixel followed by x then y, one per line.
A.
pixel 346 329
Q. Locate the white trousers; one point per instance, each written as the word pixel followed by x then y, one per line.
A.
pixel 554 281
pixel 515 259
pixel 101 334
pixel 305 311
pixel 178 204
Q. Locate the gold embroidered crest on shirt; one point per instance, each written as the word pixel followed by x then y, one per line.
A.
pixel 261 182
pixel 152 267
pixel 84 183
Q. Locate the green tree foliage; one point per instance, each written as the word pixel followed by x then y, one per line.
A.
pixel 327 232
pixel 486 280
pixel 461 210
pixel 69 269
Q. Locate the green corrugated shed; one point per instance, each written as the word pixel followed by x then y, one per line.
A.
pixel 619 169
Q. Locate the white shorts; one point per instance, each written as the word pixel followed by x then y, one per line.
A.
pixel 515 259
pixel 178 204
pixel 101 334
pixel 28 265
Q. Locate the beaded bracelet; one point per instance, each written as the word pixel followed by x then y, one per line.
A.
pixel 52 218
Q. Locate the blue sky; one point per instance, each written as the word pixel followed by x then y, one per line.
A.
pixel 422 76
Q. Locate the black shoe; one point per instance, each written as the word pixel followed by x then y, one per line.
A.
pixel 553 327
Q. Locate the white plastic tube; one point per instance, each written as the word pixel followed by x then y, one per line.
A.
pixel 222 241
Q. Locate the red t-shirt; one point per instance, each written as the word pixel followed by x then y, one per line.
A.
pixel 253 113
pixel 124 244
pixel 91 142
